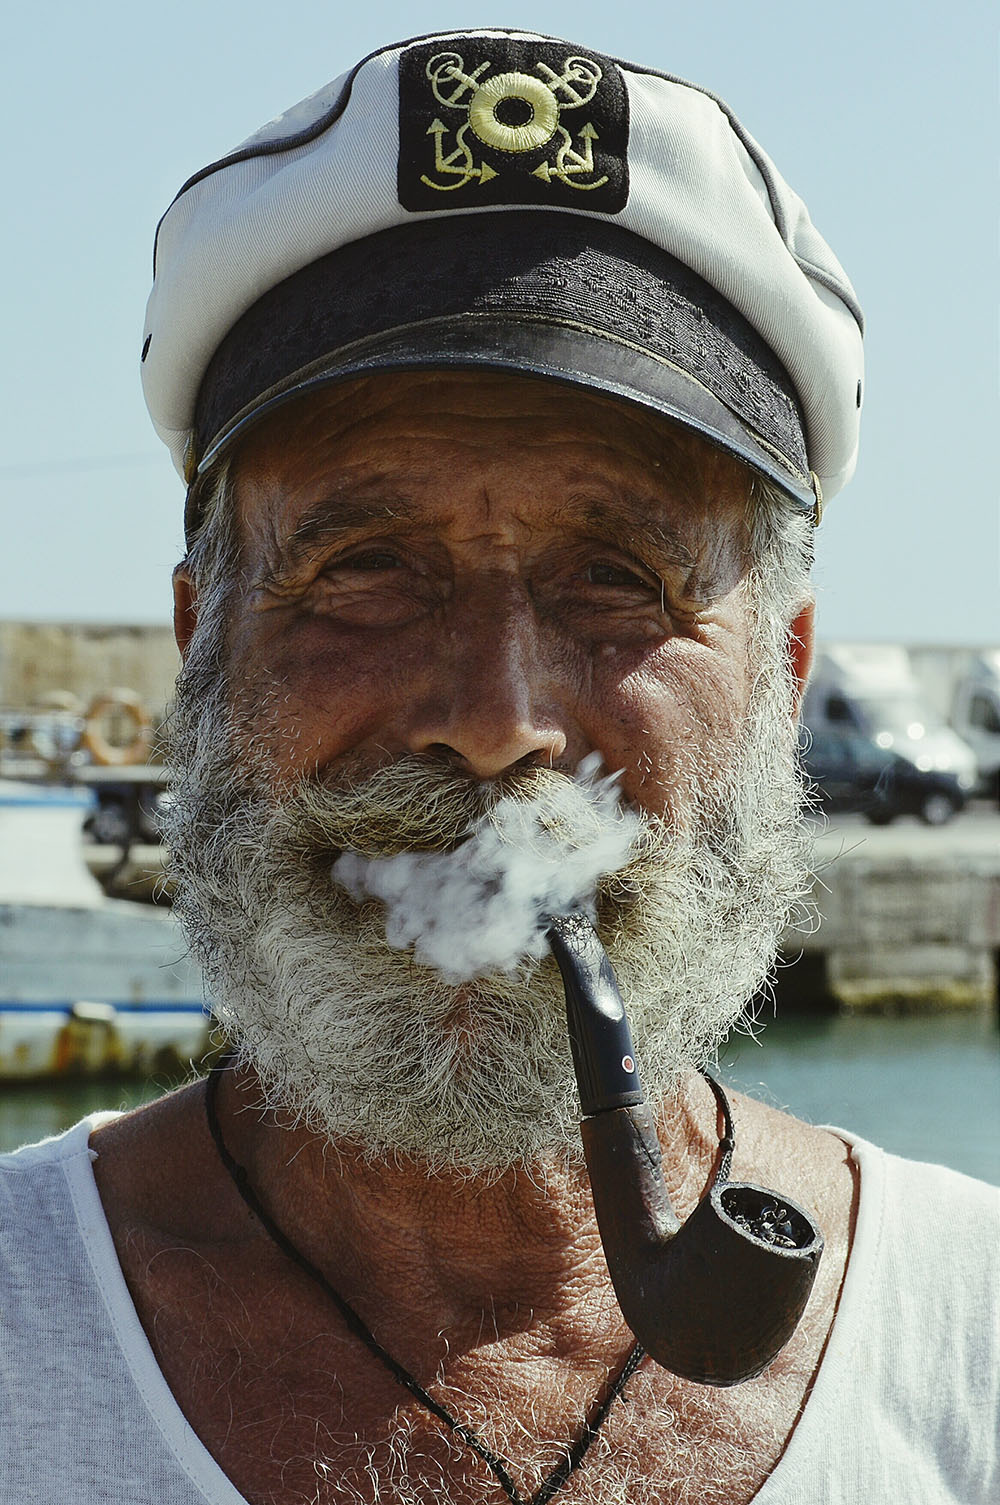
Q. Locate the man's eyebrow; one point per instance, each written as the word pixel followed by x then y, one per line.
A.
pixel 353 509
pixel 630 520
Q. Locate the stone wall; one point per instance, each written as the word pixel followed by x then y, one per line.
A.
pixel 86 659
pixel 909 917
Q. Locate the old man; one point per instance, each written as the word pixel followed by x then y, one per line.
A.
pixel 508 382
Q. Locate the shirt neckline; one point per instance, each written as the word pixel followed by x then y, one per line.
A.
pixel 836 1365
pixel 192 1456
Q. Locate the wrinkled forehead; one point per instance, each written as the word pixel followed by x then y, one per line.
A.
pixel 440 434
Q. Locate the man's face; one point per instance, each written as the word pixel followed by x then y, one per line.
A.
pixel 450 586
pixel 497 570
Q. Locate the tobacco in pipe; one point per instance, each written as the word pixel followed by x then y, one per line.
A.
pixel 715 1299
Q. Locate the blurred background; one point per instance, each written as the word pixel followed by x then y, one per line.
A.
pixel 883 117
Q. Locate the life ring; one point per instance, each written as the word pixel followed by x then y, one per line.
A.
pixel 105 753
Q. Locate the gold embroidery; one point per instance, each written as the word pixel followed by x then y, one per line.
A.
pixel 534 132
pixel 569 162
pixel 489 105
pixel 464 170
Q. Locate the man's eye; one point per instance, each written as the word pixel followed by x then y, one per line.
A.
pixel 369 559
pixel 603 573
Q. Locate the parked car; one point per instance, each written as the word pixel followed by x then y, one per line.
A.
pixel 871 688
pixel 851 771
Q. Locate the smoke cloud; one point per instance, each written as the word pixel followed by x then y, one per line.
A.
pixel 482 908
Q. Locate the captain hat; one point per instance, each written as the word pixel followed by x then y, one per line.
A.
pixel 500 200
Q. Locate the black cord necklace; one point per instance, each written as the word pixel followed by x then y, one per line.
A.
pixel 500 1467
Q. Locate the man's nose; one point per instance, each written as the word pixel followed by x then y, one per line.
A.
pixel 490 702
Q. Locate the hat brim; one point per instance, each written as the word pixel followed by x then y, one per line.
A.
pixel 574 302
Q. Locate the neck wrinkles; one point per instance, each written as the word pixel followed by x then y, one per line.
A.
pixel 459 1253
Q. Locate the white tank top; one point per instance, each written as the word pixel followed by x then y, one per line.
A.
pixel 904 1409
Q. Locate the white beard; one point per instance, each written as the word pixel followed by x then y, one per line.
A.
pixel 367 1046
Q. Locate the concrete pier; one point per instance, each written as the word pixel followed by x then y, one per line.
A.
pixel 85 659
pixel 909 917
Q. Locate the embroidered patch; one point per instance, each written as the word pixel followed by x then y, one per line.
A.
pixel 499 120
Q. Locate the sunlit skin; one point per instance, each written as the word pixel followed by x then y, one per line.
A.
pixel 497 571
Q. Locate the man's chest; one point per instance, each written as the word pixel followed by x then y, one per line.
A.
pixel 310 1420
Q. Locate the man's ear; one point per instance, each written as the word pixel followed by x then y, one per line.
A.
pixel 185 608
pixel 801 641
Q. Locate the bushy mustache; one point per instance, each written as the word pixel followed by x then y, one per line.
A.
pixel 421 804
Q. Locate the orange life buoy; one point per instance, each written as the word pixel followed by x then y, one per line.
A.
pixel 101 750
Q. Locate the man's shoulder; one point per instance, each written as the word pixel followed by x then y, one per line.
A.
pixel 44 1189
pixel 778 1143
pixel 909 1384
pixel 812 1165
pixel 927 1189
pixel 935 1224
pixel 46 1213
pixel 54 1149
pixel 924 1243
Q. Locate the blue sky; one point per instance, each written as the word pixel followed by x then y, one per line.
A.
pixel 883 116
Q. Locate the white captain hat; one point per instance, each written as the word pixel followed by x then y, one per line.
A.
pixel 499 200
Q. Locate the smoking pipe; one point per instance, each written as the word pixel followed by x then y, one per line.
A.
pixel 716 1298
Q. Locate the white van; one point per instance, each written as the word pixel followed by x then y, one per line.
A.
pixel 875 743
pixel 963 684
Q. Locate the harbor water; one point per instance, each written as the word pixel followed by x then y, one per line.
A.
pixel 923 1086
pixel 926 1086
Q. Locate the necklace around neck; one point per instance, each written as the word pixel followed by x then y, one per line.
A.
pixel 500 1467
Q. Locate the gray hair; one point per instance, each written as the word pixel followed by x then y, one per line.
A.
pixel 213 550
pixel 780 555
pixel 213 565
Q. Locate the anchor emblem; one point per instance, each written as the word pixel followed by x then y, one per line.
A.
pixel 512 113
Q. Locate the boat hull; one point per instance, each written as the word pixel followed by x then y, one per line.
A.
pixel 96 990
